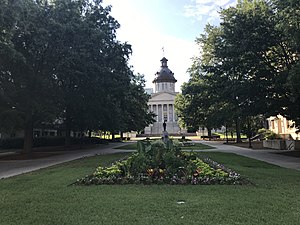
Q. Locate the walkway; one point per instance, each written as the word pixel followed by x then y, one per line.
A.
pixel 266 155
pixel 9 168
pixel 15 167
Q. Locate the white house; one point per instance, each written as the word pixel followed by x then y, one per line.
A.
pixel 162 102
pixel 285 128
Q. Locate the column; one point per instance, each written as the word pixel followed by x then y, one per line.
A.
pixel 173 113
pixel 168 111
pixel 162 112
pixel 159 106
pixel 156 112
pixel 171 106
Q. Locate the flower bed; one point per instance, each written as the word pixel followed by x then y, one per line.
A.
pixel 162 163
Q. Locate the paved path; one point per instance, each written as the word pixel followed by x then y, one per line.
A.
pixel 266 155
pixel 15 167
pixel 9 168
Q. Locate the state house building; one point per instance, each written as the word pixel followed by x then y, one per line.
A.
pixel 162 101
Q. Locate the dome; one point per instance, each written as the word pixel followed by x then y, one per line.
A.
pixel 164 74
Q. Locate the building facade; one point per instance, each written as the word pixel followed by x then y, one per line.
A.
pixel 284 127
pixel 162 102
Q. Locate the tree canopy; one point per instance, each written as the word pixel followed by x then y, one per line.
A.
pixel 248 65
pixel 60 61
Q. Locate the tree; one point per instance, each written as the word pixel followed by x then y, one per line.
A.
pixel 26 82
pixel 257 35
pixel 249 65
pixel 293 83
pixel 92 66
pixel 205 99
pixel 135 113
pixel 198 107
pixel 287 17
pixel 60 60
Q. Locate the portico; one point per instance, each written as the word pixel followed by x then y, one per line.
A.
pixel 164 112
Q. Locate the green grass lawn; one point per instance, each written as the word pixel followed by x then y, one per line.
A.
pixel 197 146
pixel 44 197
pixel 223 135
pixel 131 146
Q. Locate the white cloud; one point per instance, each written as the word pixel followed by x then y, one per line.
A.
pixel 222 3
pixel 203 10
pixel 207 9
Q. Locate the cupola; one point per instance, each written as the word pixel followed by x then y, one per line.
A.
pixel 164 78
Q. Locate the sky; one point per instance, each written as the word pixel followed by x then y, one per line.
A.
pixel 164 28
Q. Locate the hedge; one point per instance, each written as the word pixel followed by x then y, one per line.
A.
pixel 17 143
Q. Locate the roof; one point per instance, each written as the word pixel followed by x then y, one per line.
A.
pixel 164 74
pixel 167 97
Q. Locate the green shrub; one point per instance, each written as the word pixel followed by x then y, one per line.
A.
pixel 17 143
pixel 11 143
pixel 268 135
pixel 162 163
pixel 48 141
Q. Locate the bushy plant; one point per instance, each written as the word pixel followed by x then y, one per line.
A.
pixel 11 143
pixel 163 163
pixel 268 134
pixel 49 141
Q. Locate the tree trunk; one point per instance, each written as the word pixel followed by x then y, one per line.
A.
pixel 209 133
pixel 113 135
pixel 68 129
pixel 249 132
pixel 238 131
pixel 226 133
pixel 28 134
